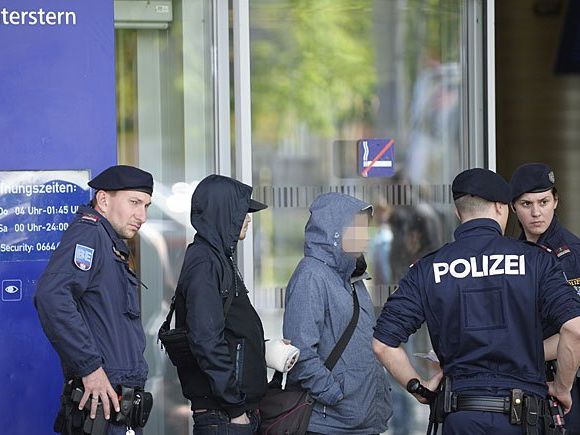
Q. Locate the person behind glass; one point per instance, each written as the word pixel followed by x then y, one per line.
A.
pixel 353 398
pixel 227 377
pixel 88 296
pixel 484 298
pixel 534 201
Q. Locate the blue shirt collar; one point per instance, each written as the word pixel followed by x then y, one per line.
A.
pixel 477 227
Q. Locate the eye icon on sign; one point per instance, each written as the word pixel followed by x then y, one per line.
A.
pixel 11 290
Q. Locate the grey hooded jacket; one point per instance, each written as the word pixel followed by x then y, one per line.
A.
pixel 355 397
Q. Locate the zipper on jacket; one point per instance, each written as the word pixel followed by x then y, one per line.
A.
pixel 235 268
pixel 324 411
pixel 238 352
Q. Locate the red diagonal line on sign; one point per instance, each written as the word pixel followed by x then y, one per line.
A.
pixel 377 157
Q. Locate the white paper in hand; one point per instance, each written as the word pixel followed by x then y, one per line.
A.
pixel 281 356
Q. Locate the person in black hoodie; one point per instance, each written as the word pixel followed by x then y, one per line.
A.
pixel 227 377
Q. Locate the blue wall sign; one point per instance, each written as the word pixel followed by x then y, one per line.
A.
pixel 57 88
pixel 35 209
pixel 376 157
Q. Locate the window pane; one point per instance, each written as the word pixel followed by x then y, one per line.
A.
pixel 166 126
pixel 325 76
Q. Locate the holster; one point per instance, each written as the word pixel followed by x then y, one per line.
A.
pixel 531 415
pixel 136 406
pixel 70 420
pixel 443 402
pixel 440 406
pixel 553 418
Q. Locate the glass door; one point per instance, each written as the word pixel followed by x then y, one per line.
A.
pixel 331 82
pixel 166 103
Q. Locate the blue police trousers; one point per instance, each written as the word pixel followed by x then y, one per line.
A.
pixel 481 423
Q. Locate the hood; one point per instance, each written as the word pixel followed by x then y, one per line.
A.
pixel 329 214
pixel 218 209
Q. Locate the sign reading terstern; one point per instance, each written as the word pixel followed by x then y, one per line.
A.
pixel 35 209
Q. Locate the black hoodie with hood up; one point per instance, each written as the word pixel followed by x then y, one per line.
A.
pixel 229 370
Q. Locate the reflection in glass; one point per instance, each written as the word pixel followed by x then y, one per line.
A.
pixel 165 125
pixel 326 75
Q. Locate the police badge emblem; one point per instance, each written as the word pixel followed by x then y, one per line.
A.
pixel 83 257
pixel 551 177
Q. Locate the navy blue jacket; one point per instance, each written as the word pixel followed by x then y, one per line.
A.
pixel 228 371
pixel 90 312
pixel 565 246
pixel 484 298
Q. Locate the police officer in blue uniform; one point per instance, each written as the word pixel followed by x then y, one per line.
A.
pixel 484 298
pixel 88 300
pixel 534 201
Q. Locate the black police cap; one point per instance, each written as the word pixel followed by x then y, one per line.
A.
pixel 482 183
pixel 122 177
pixel 531 178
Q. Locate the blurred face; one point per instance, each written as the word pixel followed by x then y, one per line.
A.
pixel 535 212
pixel 355 237
pixel 126 210
pixel 245 225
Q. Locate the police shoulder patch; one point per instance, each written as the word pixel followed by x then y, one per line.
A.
pixel 83 257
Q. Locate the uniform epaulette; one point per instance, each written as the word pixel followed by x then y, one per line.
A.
pixel 538 245
pixel 89 218
pixel 562 250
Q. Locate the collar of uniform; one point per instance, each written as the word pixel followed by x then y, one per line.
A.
pixel 548 237
pixel 118 243
pixel 477 226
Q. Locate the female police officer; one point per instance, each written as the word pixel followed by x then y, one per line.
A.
pixel 534 200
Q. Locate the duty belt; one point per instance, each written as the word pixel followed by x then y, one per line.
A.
pixel 522 409
pixel 481 403
pixel 134 402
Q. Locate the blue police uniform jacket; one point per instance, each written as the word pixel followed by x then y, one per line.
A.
pixel 566 247
pixel 87 301
pixel 484 298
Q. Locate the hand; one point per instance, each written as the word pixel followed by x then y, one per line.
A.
pixel 431 385
pixel 242 419
pixel 98 387
pixel 562 395
pixel 434 381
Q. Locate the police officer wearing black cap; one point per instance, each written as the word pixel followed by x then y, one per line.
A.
pixel 534 200
pixel 484 298
pixel 88 301
pixel 226 378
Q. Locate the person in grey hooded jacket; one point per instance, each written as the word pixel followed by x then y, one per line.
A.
pixel 353 398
